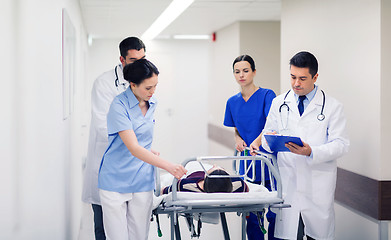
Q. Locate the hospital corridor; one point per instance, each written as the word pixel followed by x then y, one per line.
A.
pixel 184 63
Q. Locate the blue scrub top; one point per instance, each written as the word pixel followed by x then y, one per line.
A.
pixel 249 117
pixel 120 171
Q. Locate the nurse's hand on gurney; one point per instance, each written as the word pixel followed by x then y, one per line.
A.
pixel 177 170
pixel 294 148
pixel 152 157
pixel 240 145
pixel 254 146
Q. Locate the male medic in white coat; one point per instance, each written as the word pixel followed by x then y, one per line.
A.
pixel 309 172
pixel 106 87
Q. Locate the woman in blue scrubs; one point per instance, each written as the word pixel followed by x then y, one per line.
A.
pixel 126 176
pixel 247 112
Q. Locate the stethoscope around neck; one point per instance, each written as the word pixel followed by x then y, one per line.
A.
pixel 320 116
pixel 117 83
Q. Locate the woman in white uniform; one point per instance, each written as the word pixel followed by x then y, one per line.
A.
pixel 308 173
pixel 126 176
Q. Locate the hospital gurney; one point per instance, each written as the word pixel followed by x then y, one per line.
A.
pixel 190 204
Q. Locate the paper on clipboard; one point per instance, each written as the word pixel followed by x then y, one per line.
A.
pixel 277 142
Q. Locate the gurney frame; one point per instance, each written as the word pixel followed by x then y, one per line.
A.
pixel 242 207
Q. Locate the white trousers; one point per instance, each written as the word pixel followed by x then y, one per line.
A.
pixel 126 216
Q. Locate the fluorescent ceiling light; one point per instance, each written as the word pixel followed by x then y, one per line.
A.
pixel 176 8
pixel 196 37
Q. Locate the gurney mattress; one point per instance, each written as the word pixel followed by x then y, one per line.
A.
pixel 221 199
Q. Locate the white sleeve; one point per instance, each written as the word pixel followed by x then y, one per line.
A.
pixel 337 140
pixel 271 124
pixel 101 98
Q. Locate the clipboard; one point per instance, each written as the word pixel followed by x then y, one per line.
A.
pixel 277 142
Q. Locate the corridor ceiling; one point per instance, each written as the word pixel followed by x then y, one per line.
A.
pixel 121 18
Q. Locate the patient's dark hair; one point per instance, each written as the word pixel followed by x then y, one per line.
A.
pixel 220 184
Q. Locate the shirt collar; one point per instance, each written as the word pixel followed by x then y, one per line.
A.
pixel 133 100
pixel 309 95
pixel 120 73
pixel 131 97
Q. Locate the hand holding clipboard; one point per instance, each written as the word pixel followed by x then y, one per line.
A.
pixel 277 142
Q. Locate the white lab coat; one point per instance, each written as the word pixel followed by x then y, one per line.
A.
pixel 308 183
pixel 103 93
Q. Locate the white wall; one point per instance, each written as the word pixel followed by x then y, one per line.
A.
pixel 42 158
pixel 8 126
pixel 352 225
pixel 181 116
pixel 385 86
pixel 222 83
pixel 385 98
pixel 261 40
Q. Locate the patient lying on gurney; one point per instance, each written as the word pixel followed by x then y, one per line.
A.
pixel 198 181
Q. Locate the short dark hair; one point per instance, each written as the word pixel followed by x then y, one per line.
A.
pixel 305 60
pixel 129 44
pixel 246 58
pixel 140 70
pixel 218 184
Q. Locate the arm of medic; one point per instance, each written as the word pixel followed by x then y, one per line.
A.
pixel 337 141
pixel 270 126
pixel 294 148
pixel 337 138
pixel 240 145
pixel 130 140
